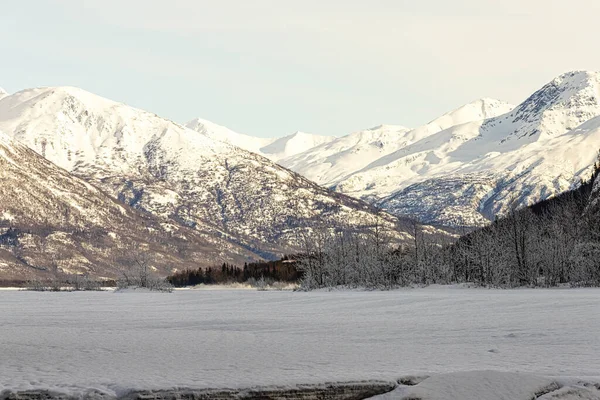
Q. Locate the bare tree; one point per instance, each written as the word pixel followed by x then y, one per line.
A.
pixel 140 273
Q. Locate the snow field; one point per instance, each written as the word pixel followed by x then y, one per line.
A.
pixel 117 342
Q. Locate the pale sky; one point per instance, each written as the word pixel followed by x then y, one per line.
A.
pixel 271 67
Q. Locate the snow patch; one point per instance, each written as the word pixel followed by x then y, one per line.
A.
pixel 475 385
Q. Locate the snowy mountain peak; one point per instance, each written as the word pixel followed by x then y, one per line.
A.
pixel 79 130
pixel 223 134
pixel 207 127
pixel 175 173
pixel 309 136
pixel 388 127
pixel 490 107
pixel 293 144
pixel 331 163
pixel 561 105
pixel 476 110
pixel 3 93
pixel 578 78
pixel 64 95
pixel 299 133
pixel 272 148
pixel 474 169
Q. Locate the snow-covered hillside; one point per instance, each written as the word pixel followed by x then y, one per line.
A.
pixel 52 221
pixel 473 163
pixel 545 146
pixel 461 168
pixel 173 172
pixel 223 134
pixel 335 162
pixel 293 144
pixel 3 93
pixel 272 148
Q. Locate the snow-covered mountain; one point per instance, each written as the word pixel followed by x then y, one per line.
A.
pixel 273 148
pixel 52 221
pixel 293 144
pixel 336 159
pixel 461 168
pixel 470 172
pixel 177 173
pixel 335 162
pixel 3 93
pixel 223 134
pixel 472 163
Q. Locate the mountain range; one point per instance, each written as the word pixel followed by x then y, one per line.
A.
pixel 470 164
pixel 85 178
pixel 175 177
pixel 273 148
pixel 50 220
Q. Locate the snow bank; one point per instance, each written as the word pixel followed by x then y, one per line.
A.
pixel 492 385
pixel 476 385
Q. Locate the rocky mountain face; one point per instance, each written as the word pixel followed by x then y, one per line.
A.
pixel 51 221
pixel 545 146
pixel 179 175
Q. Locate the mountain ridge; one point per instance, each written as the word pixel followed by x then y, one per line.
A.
pixel 357 156
pixel 461 166
pixel 535 154
pixel 52 221
pixel 177 174
pixel 271 148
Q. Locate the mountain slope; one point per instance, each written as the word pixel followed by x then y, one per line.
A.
pixel 474 171
pixel 51 221
pixel 223 134
pixel 472 163
pixel 172 172
pixel 333 163
pixel 337 158
pixel 290 145
pixel 272 148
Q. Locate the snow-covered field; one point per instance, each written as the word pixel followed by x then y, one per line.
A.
pixel 114 342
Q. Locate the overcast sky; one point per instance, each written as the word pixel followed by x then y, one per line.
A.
pixel 271 67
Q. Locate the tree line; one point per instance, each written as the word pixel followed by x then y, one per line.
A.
pixel 283 270
pixel 554 242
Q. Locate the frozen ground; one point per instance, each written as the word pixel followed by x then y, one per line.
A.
pixel 114 342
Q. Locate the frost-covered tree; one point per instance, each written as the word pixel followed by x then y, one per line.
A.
pixel 140 273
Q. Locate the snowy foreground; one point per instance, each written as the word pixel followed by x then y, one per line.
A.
pixel 114 343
